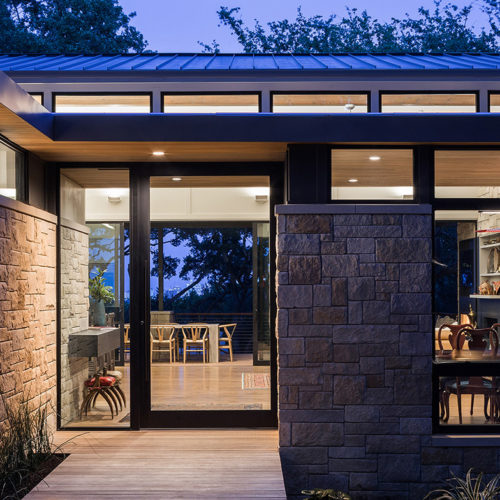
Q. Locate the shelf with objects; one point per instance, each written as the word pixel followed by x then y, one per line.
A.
pixel 488 235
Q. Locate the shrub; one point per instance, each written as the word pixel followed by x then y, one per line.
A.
pixel 25 449
pixel 318 494
pixel 470 488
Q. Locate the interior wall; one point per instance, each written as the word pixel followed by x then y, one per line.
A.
pixel 72 200
pixel 181 204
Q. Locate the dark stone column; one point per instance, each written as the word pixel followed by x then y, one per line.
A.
pixel 355 345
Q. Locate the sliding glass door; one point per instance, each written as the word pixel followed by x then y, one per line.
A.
pixel 206 352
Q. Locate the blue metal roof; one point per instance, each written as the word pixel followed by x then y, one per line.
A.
pixel 248 62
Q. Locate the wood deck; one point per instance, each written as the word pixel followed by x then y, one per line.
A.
pixel 166 464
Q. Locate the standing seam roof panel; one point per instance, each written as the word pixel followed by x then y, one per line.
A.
pixel 248 62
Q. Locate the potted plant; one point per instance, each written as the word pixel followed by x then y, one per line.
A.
pixel 100 294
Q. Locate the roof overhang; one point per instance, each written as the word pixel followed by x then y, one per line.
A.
pixel 219 137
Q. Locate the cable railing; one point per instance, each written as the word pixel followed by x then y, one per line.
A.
pixel 243 335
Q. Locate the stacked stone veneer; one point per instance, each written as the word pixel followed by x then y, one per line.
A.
pixel 27 307
pixel 354 328
pixel 74 243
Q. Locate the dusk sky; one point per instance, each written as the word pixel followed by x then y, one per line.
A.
pixel 177 25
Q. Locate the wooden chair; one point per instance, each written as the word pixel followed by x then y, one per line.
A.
pixel 195 339
pixel 164 336
pixel 226 338
pixel 452 337
pixel 483 340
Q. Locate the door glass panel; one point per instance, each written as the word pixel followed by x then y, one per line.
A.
pixel 94 355
pixel 209 291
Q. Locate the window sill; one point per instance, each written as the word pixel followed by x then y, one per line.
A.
pixel 464 440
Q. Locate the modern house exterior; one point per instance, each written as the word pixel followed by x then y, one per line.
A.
pixel 366 190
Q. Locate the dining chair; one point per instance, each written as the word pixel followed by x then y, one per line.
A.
pixel 226 338
pixel 479 340
pixel 195 339
pixel 163 336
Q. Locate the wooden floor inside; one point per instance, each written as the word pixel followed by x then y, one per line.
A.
pixel 477 417
pixel 166 464
pixel 191 386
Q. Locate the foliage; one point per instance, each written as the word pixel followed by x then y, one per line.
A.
pixel 98 290
pixel 25 445
pixel 445 28
pixel 470 488
pixel 318 494
pixel 67 26
pixel 219 261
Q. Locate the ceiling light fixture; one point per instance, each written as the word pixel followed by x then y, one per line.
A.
pixel 158 153
pixel 374 158
pixel 353 180
pixel 177 179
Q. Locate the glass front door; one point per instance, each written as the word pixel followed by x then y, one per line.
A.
pixel 208 353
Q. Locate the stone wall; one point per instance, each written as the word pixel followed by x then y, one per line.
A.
pixel 28 306
pixel 355 347
pixel 74 255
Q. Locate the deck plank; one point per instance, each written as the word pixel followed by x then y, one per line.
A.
pixel 173 463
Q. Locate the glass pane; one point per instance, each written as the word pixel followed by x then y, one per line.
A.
pixel 94 355
pixel 320 103
pixel 428 103
pixel 466 269
pixel 466 400
pixel 38 98
pixel 467 174
pixel 211 103
pixel 494 103
pixel 104 103
pixel 11 163
pixel 209 287
pixel 372 174
pixel 262 327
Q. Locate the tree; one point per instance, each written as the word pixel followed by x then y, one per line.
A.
pixel 67 26
pixel 444 29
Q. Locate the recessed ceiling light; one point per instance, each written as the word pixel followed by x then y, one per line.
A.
pixel 353 180
pixel 158 153
pixel 177 179
pixel 374 158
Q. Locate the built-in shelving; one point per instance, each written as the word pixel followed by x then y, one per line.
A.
pixel 477 296
pixel 492 245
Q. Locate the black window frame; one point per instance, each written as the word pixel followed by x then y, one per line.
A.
pixel 257 93
pixel 95 94
pixel 459 368
pixel 367 93
pixel 21 169
pixel 426 92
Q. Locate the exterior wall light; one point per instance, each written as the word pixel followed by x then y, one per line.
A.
pixel 353 180
pixel 158 153
pixel 374 158
pixel 177 179
pixel 114 199
pixel 261 198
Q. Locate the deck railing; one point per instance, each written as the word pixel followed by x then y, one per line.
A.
pixel 243 335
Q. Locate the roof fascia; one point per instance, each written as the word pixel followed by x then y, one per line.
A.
pixel 17 100
pixel 267 127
